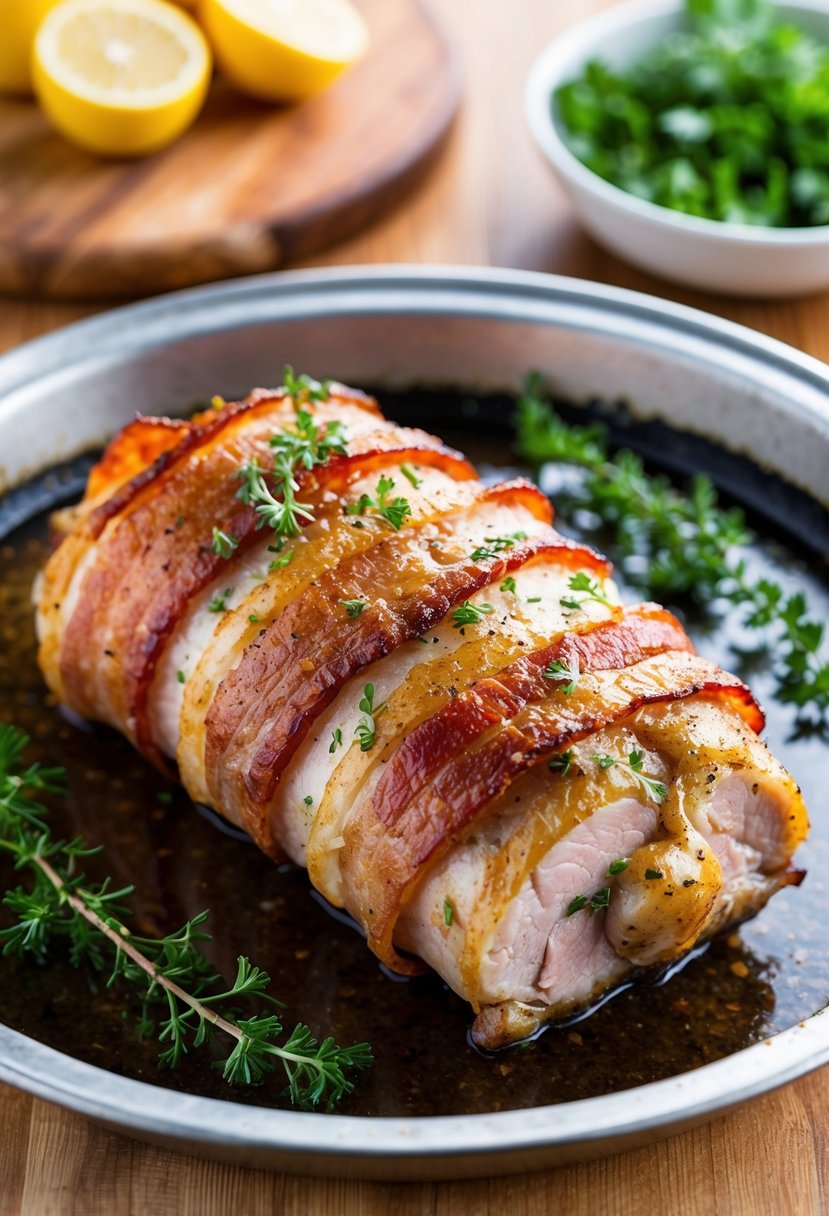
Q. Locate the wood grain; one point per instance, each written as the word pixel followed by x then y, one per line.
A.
pixel 248 187
pixel 489 200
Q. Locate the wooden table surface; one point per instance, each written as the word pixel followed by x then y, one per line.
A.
pixel 490 200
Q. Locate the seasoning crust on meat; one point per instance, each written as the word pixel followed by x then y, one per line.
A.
pixel 440 707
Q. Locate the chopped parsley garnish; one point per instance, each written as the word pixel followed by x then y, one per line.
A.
pixel 618 866
pixel 336 740
pixel 576 905
pixel 591 589
pixel 412 477
pixel 508 584
pixel 448 913
pixel 568 676
pixel 601 899
pixel 181 677
pixel 254 618
pixel 353 608
pixel 561 763
pixel 366 728
pixel 308 800
pixel 395 511
pixel 470 614
pixel 219 602
pixel 724 120
pixel 493 545
pixel 224 545
pixel 653 873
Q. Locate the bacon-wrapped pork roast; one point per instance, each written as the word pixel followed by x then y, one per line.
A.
pixel 408 682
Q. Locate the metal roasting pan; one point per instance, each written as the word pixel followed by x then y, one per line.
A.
pixel 399 326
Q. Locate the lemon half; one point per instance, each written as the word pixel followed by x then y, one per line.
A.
pixel 283 50
pixel 120 77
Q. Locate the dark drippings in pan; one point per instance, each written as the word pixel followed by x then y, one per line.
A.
pixel 771 974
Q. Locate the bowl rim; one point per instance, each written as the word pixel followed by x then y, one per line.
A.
pixel 383 1146
pixel 552 66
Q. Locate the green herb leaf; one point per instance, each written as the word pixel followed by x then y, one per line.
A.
pixel 470 614
pixel 568 676
pixel 224 545
pixel 448 912
pixel 182 1001
pixel 353 608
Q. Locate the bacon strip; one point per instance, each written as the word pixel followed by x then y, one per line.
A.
pixel 133 450
pixel 159 555
pixel 299 664
pixel 515 720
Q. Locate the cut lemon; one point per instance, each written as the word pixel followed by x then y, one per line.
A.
pixel 120 77
pixel 18 21
pixel 283 50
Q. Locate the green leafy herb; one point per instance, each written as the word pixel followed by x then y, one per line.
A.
pixel 653 874
pixel 617 867
pixel 254 618
pixel 410 475
pixel 308 800
pixel 448 913
pixel 576 905
pixel 366 728
pixel 219 602
pixel 183 1002
pixel 568 676
pixel 561 763
pixel 395 511
pixel 272 493
pixel 725 120
pixel 590 588
pixel 181 677
pixel 601 899
pixel 493 545
pixel 336 740
pixel 653 788
pixel 508 584
pixel 224 545
pixel 470 614
pixel 353 608
pixel 279 563
pixel 303 388
pixel 674 545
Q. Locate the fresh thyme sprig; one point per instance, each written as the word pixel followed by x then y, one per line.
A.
pixel 305 445
pixel 183 1001
pixel 679 545
pixel 655 789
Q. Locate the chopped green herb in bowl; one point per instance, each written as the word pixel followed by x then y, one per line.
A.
pixel 692 137
pixel 727 119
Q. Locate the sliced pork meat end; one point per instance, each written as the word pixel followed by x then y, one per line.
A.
pixel 625 886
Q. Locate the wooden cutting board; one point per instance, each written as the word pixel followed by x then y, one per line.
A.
pixel 248 188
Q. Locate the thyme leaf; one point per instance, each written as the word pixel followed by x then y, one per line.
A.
pixel 184 1003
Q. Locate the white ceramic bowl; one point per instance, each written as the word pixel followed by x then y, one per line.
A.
pixel 738 259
